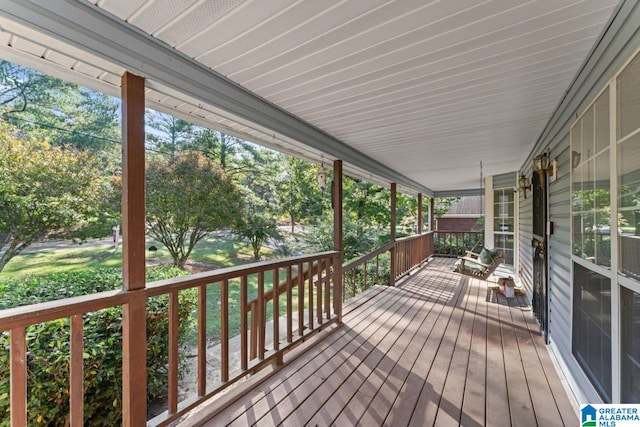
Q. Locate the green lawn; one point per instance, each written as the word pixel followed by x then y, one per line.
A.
pixel 215 252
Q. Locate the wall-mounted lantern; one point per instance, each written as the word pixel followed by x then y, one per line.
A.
pixel 542 164
pixel 524 184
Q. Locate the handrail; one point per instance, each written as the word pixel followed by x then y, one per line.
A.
pixel 321 308
pixel 408 252
pixel 367 257
pixel 456 243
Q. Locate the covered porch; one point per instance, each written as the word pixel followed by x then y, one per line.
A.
pixel 439 349
pixel 424 98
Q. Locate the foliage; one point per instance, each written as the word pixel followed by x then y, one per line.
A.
pixel 188 196
pixel 256 227
pixel 169 134
pixel 300 197
pixel 442 205
pixel 48 347
pixel 21 87
pixel 42 189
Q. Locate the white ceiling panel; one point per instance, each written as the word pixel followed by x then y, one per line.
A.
pixel 428 89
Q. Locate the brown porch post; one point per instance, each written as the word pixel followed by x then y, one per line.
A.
pixel 419 213
pixel 392 280
pixel 432 214
pixel 134 335
pixel 337 236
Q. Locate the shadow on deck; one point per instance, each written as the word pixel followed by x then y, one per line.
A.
pixel 439 349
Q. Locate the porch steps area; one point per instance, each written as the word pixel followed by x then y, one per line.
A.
pixel 439 349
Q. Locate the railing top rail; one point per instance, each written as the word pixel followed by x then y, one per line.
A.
pixel 177 284
pixel 51 310
pixel 367 257
pixel 458 231
pixel 414 236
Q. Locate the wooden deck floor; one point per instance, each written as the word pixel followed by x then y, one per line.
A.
pixel 440 349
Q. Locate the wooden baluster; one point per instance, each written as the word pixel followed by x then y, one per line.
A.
pixel 202 340
pixel 224 331
pixel 319 294
pixel 276 310
pixel 253 341
pixel 289 306
pixel 18 373
pixel 243 323
pixel 261 315
pixel 327 288
pixel 377 269
pixel 364 276
pixel 173 352
pixel 76 372
pixel 310 295
pixel 300 299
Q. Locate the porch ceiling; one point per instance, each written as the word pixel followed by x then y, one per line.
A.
pixel 425 90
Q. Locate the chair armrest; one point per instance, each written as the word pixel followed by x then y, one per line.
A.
pixel 473 261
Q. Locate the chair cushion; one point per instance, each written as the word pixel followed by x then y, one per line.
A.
pixel 495 253
pixel 485 256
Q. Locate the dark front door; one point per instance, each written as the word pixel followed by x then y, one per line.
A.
pixel 540 285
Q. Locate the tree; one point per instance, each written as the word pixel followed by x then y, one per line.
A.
pixel 42 189
pixel 188 196
pixel 21 87
pixel 257 228
pixel 300 196
pixel 169 133
pixel 232 154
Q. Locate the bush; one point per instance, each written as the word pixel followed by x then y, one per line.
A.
pixel 48 347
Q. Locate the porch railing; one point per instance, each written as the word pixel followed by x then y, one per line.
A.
pixel 456 243
pixel 375 267
pixel 319 304
pixel 305 286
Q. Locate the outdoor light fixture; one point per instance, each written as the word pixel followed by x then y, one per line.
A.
pixel 524 184
pixel 575 159
pixel 321 175
pixel 542 164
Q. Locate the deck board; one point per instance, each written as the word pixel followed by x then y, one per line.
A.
pixel 439 349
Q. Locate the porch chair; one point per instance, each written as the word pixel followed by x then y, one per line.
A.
pixel 479 265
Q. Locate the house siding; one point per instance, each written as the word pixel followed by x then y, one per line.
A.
pixel 619 42
pixel 459 224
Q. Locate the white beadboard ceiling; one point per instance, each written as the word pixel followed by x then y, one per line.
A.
pixel 428 89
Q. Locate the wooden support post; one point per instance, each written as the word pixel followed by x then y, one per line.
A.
pixel 432 214
pixel 134 334
pixel 419 213
pixel 337 238
pixel 392 279
pixel 18 375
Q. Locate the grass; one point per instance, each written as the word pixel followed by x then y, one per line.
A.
pixel 215 252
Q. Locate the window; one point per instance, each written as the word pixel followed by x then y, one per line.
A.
pixel 591 213
pixel 628 143
pixel 630 346
pixel 504 222
pixel 592 327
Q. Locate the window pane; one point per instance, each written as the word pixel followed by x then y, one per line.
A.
pixel 630 346
pixel 592 327
pixel 602 207
pixel 602 121
pixel 628 108
pixel 629 206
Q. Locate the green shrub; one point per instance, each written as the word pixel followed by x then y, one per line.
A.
pixel 48 347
